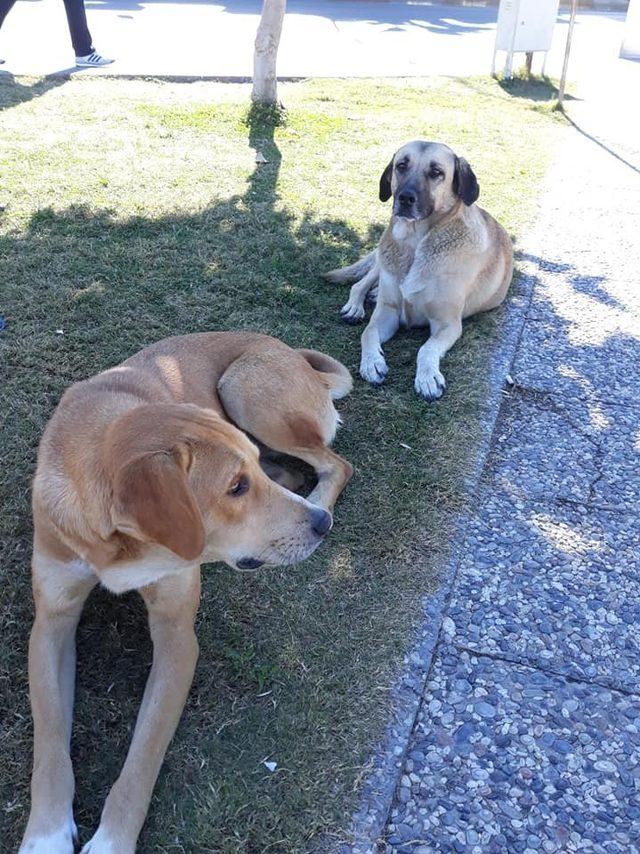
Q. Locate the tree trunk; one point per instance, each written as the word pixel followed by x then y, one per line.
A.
pixel 265 84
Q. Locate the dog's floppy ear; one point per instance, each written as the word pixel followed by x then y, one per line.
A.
pixel 153 502
pixel 465 184
pixel 148 455
pixel 385 182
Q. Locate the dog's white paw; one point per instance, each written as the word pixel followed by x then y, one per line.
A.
pixel 373 368
pixel 352 312
pixel 60 841
pixel 429 383
pixel 102 843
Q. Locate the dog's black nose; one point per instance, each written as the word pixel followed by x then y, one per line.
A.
pixel 321 521
pixel 406 197
pixel 249 563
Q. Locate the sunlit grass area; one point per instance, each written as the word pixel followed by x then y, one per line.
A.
pixel 135 210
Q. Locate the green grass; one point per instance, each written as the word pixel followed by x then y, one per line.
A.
pixel 134 210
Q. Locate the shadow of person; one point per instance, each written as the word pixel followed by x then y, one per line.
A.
pixel 14 92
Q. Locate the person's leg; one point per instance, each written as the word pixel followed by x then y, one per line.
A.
pixel 77 18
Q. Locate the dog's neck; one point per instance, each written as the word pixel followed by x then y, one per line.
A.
pixel 439 219
pixel 408 230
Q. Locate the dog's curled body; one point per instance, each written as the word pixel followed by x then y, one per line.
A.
pixel 144 472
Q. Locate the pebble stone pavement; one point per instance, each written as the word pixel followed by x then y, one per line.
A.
pixel 527 737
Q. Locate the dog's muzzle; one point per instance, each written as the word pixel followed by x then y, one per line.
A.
pixel 405 204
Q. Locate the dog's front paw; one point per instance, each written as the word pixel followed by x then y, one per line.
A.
pixel 59 841
pixel 102 843
pixel 373 368
pixel 429 383
pixel 352 312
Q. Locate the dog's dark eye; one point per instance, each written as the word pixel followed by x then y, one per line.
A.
pixel 402 166
pixel 435 173
pixel 240 486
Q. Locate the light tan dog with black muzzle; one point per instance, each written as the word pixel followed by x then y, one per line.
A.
pixel 440 260
pixel 145 472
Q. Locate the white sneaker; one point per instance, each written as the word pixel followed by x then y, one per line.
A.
pixel 92 60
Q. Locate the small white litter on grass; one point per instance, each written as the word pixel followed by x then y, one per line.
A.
pixel 271 766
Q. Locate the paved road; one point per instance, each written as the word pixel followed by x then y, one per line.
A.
pixel 334 38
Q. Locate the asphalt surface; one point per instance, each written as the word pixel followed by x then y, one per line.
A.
pixel 335 39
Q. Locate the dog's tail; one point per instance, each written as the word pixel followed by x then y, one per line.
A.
pixel 354 271
pixel 333 372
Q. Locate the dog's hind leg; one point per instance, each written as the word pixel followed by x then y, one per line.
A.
pixel 284 400
pixel 300 434
pixel 333 471
pixel 353 310
pixel 291 480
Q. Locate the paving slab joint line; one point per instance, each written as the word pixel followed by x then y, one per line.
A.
pixel 550 403
pixel 602 142
pixel 566 501
pixel 541 394
pixel 380 785
pixel 598 462
pixel 574 502
pixel 520 661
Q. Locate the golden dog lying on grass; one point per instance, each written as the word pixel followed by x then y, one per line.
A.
pixel 145 472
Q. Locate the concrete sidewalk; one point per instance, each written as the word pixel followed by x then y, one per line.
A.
pixel 527 736
pixel 337 38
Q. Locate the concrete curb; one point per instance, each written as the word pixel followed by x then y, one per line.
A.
pixel 379 787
